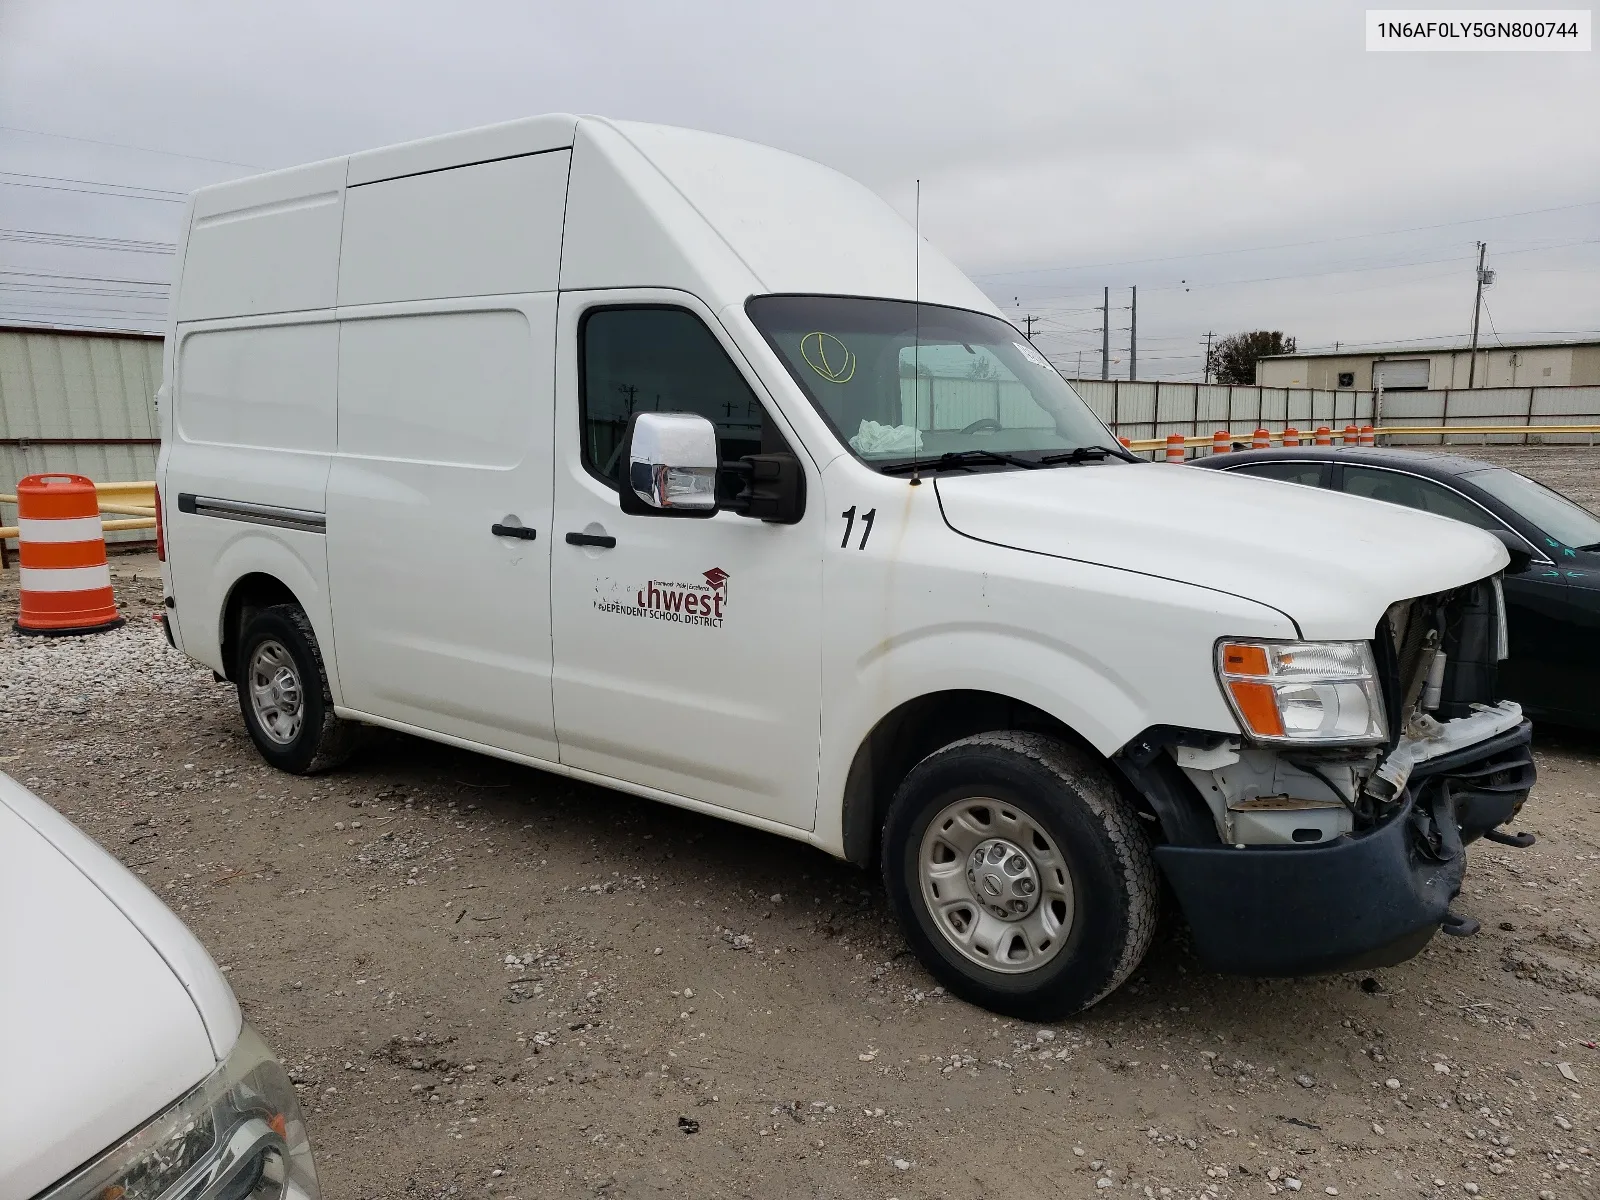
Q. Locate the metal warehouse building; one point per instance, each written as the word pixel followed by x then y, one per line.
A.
pixel 77 401
pixel 1521 364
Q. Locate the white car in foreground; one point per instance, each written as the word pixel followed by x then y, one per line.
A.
pixel 126 1070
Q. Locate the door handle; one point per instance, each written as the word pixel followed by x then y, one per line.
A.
pixel 515 531
pixel 604 540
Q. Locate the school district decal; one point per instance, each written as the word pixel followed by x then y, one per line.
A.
pixel 702 602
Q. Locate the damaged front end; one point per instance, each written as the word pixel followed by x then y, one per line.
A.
pixel 1294 859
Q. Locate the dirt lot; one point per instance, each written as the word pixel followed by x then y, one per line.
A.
pixel 492 982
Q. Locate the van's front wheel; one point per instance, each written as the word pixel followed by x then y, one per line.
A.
pixel 284 694
pixel 1020 875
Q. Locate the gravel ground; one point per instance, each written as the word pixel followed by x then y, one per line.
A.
pixel 489 981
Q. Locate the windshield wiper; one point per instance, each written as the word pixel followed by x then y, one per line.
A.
pixel 958 460
pixel 1081 454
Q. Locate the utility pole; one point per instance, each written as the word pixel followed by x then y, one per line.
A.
pixel 1209 336
pixel 1079 375
pixel 1484 277
pixel 1105 334
pixel 1029 319
pixel 1133 336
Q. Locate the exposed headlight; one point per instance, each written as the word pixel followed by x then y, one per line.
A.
pixel 238 1136
pixel 1313 693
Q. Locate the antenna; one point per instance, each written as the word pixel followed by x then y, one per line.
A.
pixel 916 346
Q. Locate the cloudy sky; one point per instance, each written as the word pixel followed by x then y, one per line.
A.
pixel 1245 165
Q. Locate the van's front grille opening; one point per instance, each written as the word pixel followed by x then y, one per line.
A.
pixel 1440 653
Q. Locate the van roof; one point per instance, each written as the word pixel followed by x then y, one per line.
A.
pixel 645 206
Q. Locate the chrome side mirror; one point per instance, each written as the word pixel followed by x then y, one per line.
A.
pixel 672 465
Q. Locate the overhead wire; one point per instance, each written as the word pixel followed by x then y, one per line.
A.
pixel 1130 262
pixel 83 191
pixel 67 137
pixel 162 283
pixel 86 241
pixel 132 187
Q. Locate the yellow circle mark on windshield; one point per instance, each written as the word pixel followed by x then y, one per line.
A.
pixel 828 357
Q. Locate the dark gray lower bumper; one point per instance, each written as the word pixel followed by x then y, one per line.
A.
pixel 1370 900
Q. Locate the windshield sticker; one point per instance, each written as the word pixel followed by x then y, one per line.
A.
pixel 828 357
pixel 1029 353
pixel 701 602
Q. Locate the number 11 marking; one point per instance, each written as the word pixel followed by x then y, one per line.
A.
pixel 849 516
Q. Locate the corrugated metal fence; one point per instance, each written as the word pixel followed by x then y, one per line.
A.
pixel 1154 410
pixel 79 402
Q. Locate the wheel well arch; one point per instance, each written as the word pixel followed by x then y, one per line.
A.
pixel 909 733
pixel 248 595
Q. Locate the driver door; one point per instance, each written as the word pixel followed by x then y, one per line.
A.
pixel 687 650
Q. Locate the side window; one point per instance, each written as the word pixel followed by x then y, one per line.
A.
pixel 1309 473
pixel 661 360
pixel 1409 490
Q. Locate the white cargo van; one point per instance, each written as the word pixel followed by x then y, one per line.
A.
pixel 674 463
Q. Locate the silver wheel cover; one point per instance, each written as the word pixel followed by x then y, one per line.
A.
pixel 996 885
pixel 276 695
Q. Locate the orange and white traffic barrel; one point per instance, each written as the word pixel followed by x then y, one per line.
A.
pixel 1369 436
pixel 1221 442
pixel 1291 436
pixel 1127 443
pixel 1261 441
pixel 1324 436
pixel 64 580
pixel 1352 436
pixel 1174 447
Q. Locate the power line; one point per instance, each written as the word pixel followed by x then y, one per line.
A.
pixel 67 137
pixel 97 183
pixel 55 187
pixel 67 289
pixel 86 241
pixel 1425 262
pixel 1131 262
pixel 161 283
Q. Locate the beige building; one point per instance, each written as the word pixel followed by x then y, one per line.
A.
pixel 1532 364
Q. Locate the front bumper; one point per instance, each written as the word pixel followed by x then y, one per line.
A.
pixel 1366 900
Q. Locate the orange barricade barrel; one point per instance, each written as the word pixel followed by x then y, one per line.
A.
pixel 1324 436
pixel 1127 443
pixel 1221 442
pixel 1352 435
pixel 1261 441
pixel 1291 436
pixel 64 580
pixel 1175 447
pixel 1369 437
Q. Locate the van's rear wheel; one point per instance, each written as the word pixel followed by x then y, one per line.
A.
pixel 284 694
pixel 1019 874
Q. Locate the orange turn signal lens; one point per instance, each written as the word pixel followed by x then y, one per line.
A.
pixel 1244 660
pixel 1256 703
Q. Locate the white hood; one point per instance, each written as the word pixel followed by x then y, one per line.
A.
pixel 1331 563
pixel 110 1008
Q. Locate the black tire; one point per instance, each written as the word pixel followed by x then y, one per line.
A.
pixel 1070 797
pixel 320 740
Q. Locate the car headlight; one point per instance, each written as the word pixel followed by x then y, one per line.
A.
pixel 239 1135
pixel 1311 693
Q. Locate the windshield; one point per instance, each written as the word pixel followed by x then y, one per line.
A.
pixel 895 384
pixel 1552 512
